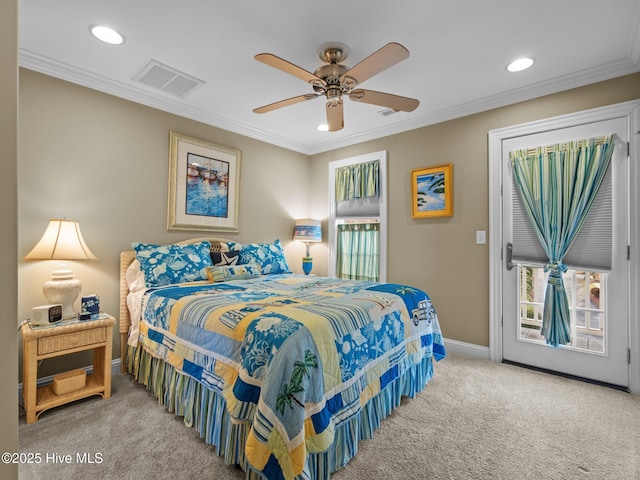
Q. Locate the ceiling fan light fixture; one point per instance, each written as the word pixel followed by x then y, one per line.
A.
pixel 106 34
pixel 520 64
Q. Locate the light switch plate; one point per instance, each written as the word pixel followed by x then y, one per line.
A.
pixel 481 237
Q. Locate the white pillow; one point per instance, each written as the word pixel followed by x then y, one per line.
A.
pixel 135 277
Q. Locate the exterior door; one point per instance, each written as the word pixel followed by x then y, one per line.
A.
pixel 598 300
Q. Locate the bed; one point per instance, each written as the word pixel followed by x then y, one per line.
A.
pixel 282 373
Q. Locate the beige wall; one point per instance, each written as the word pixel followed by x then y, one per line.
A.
pixel 440 255
pixel 103 161
pixel 8 242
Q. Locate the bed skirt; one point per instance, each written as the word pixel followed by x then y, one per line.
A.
pixel 205 410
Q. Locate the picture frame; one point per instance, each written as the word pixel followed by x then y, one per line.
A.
pixel 204 185
pixel 432 191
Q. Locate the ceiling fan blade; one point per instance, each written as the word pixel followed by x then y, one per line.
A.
pixel 388 100
pixel 335 115
pixel 290 68
pixel 375 63
pixel 285 103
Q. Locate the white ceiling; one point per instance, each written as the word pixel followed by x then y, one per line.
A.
pixel 458 53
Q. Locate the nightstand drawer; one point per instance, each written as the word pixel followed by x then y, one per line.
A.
pixel 68 341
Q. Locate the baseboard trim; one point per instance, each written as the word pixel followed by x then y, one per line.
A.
pixel 468 349
pixel 115 370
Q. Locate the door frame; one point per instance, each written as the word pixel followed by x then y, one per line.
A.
pixel 629 109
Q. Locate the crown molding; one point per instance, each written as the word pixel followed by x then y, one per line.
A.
pixel 33 61
pixel 62 71
pixel 555 85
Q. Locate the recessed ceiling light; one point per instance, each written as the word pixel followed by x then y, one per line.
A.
pixel 520 64
pixel 106 34
pixel 323 127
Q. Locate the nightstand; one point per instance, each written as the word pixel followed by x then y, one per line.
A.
pixel 62 339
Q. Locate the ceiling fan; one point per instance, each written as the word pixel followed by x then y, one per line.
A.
pixel 333 80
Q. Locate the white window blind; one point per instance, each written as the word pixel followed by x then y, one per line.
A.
pixel 358 207
pixel 592 247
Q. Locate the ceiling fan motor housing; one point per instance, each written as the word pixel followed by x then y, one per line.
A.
pixel 331 72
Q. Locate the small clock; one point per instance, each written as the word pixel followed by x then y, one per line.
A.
pixel 46 314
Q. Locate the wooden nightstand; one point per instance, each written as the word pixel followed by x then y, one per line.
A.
pixel 56 340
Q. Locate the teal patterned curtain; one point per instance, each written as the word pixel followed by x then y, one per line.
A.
pixel 557 185
pixel 358 252
pixel 358 181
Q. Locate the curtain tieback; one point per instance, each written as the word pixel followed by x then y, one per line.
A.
pixel 557 268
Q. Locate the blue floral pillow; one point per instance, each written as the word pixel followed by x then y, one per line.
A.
pixel 167 264
pixel 270 256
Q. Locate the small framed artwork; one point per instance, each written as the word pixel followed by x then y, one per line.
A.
pixel 204 185
pixel 432 191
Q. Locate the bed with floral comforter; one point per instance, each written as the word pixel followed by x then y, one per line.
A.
pixel 283 373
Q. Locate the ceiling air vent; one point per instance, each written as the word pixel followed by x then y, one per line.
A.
pixel 387 112
pixel 167 79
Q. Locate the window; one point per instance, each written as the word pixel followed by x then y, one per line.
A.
pixel 592 247
pixel 586 292
pixel 359 219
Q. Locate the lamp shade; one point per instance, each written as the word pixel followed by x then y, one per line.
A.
pixel 308 230
pixel 62 240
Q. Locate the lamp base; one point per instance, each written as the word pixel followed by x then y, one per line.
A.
pixel 64 289
pixel 307 265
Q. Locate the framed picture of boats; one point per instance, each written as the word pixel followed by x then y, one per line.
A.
pixel 432 191
pixel 204 185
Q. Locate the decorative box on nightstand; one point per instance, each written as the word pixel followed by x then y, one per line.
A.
pixel 41 342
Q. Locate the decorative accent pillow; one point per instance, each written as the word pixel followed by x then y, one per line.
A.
pixel 135 277
pixel 223 273
pixel 225 258
pixel 167 264
pixel 270 256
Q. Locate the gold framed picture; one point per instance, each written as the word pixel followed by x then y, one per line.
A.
pixel 432 191
pixel 204 185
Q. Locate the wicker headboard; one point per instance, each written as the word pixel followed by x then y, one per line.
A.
pixel 126 258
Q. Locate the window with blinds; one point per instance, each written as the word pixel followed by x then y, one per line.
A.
pixel 591 249
pixel 357 189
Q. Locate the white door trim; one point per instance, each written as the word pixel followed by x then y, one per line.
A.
pixel 629 109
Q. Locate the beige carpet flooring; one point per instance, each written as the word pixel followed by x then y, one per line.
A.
pixel 475 420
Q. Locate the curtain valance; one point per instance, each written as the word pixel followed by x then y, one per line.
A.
pixel 361 180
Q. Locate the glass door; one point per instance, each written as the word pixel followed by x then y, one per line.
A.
pixel 598 300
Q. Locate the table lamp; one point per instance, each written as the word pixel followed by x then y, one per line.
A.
pixel 62 240
pixel 307 230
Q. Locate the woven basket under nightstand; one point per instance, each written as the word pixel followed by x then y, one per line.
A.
pixel 69 381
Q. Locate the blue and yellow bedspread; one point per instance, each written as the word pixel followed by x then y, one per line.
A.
pixel 294 356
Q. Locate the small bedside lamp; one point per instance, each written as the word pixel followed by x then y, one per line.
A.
pixel 62 240
pixel 307 230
